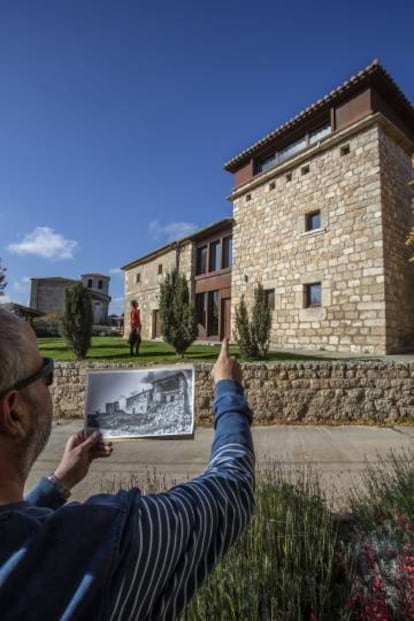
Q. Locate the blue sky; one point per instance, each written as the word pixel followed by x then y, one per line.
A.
pixel 116 117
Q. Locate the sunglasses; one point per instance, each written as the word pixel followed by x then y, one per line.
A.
pixel 45 373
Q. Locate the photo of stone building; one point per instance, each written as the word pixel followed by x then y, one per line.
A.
pixel 47 295
pixel 322 206
pixel 141 403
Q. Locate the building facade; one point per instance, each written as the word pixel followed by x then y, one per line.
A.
pixel 321 209
pixel 205 259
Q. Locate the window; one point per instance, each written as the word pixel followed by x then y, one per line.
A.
pixel 320 134
pixel 89 283
pixel 160 268
pixel 138 278
pixel 227 252
pixel 313 221
pixel 215 256
pixel 201 306
pixel 313 295
pixel 294 147
pixel 270 298
pixel 99 284
pixel 267 162
pixel 201 265
pixel 213 313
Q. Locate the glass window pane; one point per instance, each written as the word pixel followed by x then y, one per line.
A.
pixel 313 221
pixel 314 294
pixel 266 163
pixel 213 313
pixel 201 265
pixel 227 251
pixel 270 298
pixel 215 256
pixel 201 309
pixel 319 134
pixel 291 149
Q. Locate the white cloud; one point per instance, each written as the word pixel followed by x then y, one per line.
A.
pixel 4 299
pixel 171 231
pixel 117 271
pixel 46 243
pixel 22 285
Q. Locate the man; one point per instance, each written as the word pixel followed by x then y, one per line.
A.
pixel 135 332
pixel 115 557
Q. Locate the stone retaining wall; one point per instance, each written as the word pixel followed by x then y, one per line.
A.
pixel 321 392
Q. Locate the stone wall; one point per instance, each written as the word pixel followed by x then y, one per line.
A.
pixel 317 392
pixel 142 283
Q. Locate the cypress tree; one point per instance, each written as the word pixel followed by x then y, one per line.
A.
pixel 178 315
pixel 3 282
pixel 243 334
pixel 77 320
pixel 261 322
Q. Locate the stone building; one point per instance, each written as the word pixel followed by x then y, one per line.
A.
pixel 205 259
pixel 47 295
pixel 98 287
pixel 321 209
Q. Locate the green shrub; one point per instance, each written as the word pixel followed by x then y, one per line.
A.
pixel 178 315
pixel 243 336
pixel 77 320
pixel 253 336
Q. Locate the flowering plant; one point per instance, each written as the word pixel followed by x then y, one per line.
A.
pixel 383 588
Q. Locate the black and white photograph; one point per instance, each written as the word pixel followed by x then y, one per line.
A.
pixel 141 403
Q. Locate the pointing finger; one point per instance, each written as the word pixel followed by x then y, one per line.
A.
pixel 224 352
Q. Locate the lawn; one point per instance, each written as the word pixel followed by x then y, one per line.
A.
pixel 106 348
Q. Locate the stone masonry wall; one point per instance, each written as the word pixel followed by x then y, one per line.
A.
pixel 315 393
pixel 147 290
pixel 341 178
pixel 398 219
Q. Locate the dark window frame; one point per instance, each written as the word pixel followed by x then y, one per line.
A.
pixel 209 262
pixel 309 217
pixel 282 154
pixel 309 292
pixel 270 298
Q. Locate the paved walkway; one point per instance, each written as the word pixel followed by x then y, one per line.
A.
pixel 338 454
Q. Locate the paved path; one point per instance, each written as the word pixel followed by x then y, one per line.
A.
pixel 337 453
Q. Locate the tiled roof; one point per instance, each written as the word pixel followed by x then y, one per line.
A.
pixel 373 69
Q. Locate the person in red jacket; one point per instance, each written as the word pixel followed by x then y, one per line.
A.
pixel 135 333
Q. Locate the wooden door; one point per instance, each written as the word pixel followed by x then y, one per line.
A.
pixel 156 324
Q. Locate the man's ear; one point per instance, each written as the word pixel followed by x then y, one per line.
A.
pixel 12 415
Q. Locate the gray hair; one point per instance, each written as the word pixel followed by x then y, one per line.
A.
pixel 13 347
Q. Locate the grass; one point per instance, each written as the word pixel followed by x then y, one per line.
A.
pixel 297 561
pixel 107 348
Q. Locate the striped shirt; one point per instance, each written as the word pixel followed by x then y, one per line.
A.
pixel 129 556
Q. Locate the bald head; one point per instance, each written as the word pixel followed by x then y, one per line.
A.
pixel 14 343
